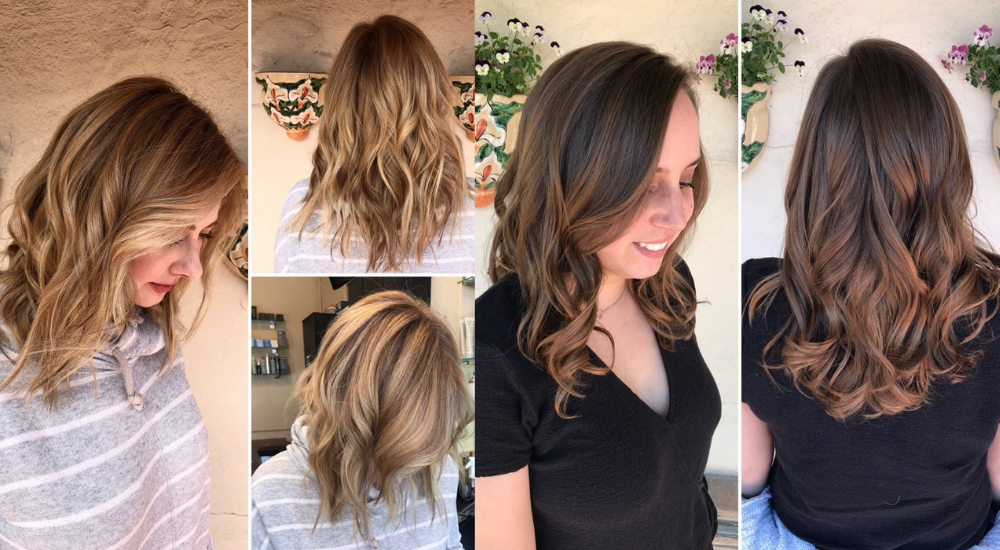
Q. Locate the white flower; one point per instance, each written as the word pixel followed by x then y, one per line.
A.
pixel 480 38
pixel 747 45
pixel 524 29
pixel 539 38
pixel 503 56
pixel 743 126
pixel 781 26
pixel 514 24
pixel 768 17
pixel 485 17
pixel 555 47
pixel 482 67
pixel 800 68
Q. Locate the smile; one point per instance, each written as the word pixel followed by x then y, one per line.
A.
pixel 654 246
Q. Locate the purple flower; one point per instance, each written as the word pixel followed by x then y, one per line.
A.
pixel 802 36
pixel 538 38
pixel 757 11
pixel 514 24
pixel 482 67
pixel 485 17
pixel 800 67
pixel 728 84
pixel 555 47
pixel 540 28
pixel 959 54
pixel 524 28
pixel 782 14
pixel 480 38
pixel 706 64
pixel 982 76
pixel 982 36
pixel 946 65
pixel 768 17
pixel 781 25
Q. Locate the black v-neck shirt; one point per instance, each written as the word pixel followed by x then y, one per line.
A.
pixel 914 480
pixel 619 475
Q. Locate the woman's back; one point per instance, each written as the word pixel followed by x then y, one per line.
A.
pixel 915 479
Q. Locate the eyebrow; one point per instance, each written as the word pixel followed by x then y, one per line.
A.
pixel 209 226
pixel 695 161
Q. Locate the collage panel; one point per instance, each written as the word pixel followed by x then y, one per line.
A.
pixel 123 182
pixel 606 184
pixel 870 191
pixel 363 430
pixel 362 126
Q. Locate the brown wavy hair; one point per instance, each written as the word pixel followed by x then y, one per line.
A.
pixel 388 167
pixel 127 171
pixel 588 147
pixel 387 402
pixel 886 279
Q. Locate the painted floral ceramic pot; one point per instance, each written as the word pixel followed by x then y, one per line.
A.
pixel 292 100
pixel 995 101
pixel 753 122
pixel 496 134
pixel 239 253
pixel 464 102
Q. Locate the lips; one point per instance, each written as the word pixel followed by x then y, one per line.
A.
pixel 652 250
pixel 161 289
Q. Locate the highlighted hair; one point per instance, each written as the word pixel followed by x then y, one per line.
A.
pixel 387 402
pixel 388 167
pixel 589 143
pixel 885 277
pixel 127 172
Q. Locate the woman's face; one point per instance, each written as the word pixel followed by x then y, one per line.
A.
pixel 668 205
pixel 157 272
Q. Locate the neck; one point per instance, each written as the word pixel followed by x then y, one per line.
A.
pixel 611 291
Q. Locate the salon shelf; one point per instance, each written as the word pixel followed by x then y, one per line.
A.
pixel 259 324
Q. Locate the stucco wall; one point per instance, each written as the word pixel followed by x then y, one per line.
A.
pixel 684 30
pixel 831 32
pixel 57 53
pixel 305 37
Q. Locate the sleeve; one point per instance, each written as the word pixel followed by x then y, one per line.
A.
pixel 505 419
pixel 454 537
pixel 752 342
pixel 259 539
pixel 285 241
pixel 684 271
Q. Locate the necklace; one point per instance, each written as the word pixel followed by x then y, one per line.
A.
pixel 600 312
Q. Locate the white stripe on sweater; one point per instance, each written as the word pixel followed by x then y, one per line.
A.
pixel 191 533
pixel 173 513
pixel 99 459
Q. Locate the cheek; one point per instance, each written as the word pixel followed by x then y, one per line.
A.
pixel 146 268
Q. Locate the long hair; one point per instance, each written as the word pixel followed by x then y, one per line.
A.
pixel 388 167
pixel 588 147
pixel 126 172
pixel 886 280
pixel 386 402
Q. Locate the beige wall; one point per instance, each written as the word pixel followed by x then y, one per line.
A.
pixel 58 53
pixel 305 36
pixel 684 30
pixel 923 30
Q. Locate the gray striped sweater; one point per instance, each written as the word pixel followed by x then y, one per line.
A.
pixel 455 255
pixel 284 501
pixel 125 468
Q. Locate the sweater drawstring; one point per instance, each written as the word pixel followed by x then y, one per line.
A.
pixel 132 396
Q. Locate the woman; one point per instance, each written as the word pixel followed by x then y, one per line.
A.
pixel 373 459
pixel 387 191
pixel 596 409
pixel 871 349
pixel 101 441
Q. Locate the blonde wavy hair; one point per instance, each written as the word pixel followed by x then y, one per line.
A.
pixel 127 172
pixel 388 167
pixel 589 141
pixel 386 402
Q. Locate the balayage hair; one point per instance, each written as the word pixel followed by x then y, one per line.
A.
pixel 587 152
pixel 886 279
pixel 127 172
pixel 388 168
pixel 386 402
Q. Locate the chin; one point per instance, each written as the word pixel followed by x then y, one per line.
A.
pixel 148 301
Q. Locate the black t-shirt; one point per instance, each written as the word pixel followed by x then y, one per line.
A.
pixel 617 476
pixel 912 480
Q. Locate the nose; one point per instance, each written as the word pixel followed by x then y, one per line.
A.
pixel 671 208
pixel 189 263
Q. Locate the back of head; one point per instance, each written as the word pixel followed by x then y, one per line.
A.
pixel 126 173
pixel 386 402
pixel 388 167
pixel 882 268
pixel 589 143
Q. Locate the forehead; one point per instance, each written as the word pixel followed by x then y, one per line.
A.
pixel 681 143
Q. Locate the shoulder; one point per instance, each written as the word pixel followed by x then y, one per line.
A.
pixel 293 200
pixel 277 475
pixel 755 270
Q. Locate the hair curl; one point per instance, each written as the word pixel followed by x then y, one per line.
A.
pixel 388 167
pixel 882 269
pixel 588 147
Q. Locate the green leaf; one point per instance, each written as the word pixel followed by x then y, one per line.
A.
pixel 781 67
pixel 750 152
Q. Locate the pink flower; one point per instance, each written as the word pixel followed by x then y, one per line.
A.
pixel 982 36
pixel 947 65
pixel 958 54
pixel 982 76
pixel 728 84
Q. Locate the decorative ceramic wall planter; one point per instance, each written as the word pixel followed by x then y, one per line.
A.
pixel 464 102
pixel 753 122
pixel 995 101
pixel 238 255
pixel 496 128
pixel 292 100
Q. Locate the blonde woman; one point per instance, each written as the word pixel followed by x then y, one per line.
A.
pixel 102 444
pixel 387 191
pixel 373 458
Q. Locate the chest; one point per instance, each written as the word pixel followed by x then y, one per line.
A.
pixel 634 355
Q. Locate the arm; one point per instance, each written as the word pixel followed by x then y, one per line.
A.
pixel 503 505
pixel 259 539
pixel 756 454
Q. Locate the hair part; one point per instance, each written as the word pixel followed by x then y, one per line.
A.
pixel 386 402
pixel 588 148
pixel 885 276
pixel 388 168
pixel 126 172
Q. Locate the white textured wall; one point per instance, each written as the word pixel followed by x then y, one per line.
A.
pixel 684 30
pixel 305 36
pixel 929 32
pixel 54 55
